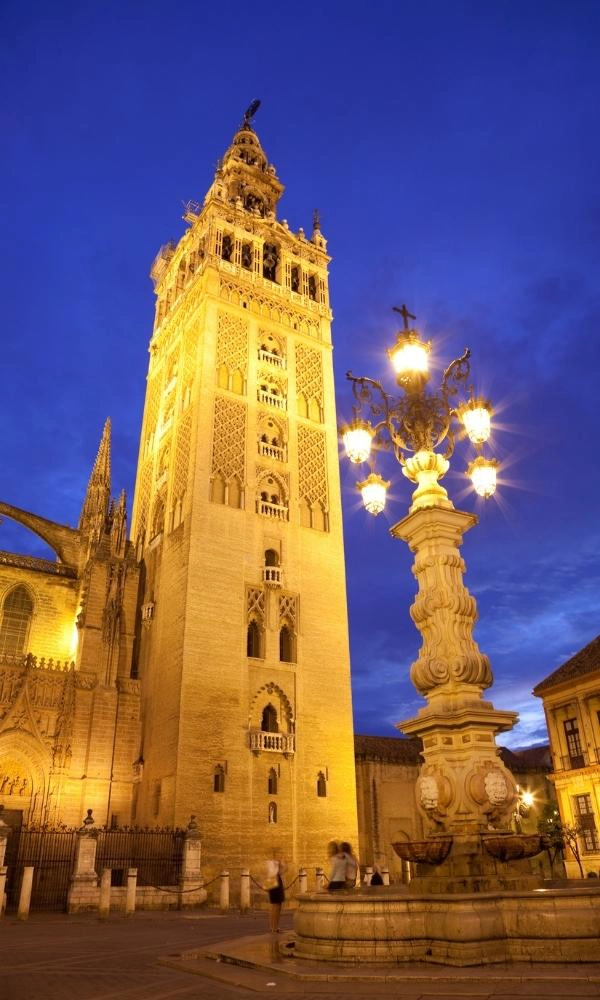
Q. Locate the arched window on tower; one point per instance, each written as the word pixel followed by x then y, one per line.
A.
pixel 254 640
pixel 219 779
pixel 227 247
pixel 270 261
pixel 247 256
pixel 312 287
pixel 321 785
pixel 17 612
pixel 286 645
pixel 272 782
pixel 269 723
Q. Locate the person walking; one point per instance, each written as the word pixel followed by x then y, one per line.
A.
pixel 337 867
pixel 275 870
pixel 351 865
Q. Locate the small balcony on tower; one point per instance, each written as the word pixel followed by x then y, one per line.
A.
pixel 269 450
pixel 268 508
pixel 272 742
pixel 271 395
pixel 271 358
pixel 272 572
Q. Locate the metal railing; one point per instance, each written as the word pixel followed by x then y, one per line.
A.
pixel 573 761
pixel 155 853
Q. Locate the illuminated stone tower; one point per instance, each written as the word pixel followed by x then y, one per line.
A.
pixel 244 641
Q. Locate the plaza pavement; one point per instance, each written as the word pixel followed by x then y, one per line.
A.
pixel 159 956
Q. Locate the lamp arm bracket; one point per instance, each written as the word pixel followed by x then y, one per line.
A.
pixel 456 373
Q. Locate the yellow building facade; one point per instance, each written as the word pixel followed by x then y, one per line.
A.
pixel 244 660
pixel 571 696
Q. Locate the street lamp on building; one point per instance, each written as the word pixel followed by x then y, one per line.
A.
pixel 417 422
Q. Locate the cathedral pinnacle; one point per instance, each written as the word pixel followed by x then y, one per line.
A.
pixel 97 498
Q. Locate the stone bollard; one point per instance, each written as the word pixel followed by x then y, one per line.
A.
pixel 130 893
pixel 191 883
pixel 368 875
pixel 244 890
pixel 385 874
pixel 83 887
pixel 104 905
pixel 3 871
pixel 320 880
pixel 25 895
pixel 302 880
pixel 224 891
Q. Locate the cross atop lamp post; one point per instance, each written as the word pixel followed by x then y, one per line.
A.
pixel 464 791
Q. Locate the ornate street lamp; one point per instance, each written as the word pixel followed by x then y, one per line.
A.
pixel 464 791
pixel 418 422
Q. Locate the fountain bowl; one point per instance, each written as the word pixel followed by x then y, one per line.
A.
pixel 428 852
pixel 512 846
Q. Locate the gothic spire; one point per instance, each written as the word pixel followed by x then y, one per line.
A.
pixel 97 498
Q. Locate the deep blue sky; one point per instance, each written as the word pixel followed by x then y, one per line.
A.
pixel 453 149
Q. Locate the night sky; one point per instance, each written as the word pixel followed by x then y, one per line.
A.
pixel 453 150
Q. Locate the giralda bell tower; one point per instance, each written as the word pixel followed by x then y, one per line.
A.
pixel 237 517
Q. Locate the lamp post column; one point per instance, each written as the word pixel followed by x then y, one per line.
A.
pixel 463 789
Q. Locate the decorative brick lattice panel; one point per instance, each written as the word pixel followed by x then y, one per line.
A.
pixel 182 455
pixel 255 604
pixel 188 357
pixel 152 405
pixel 288 611
pixel 229 439
pixel 143 499
pixel 312 466
pixel 265 305
pixel 232 343
pixel 309 373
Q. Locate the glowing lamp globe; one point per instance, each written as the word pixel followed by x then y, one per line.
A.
pixel 374 491
pixel 527 799
pixel 357 439
pixel 483 476
pixel 476 416
pixel 410 356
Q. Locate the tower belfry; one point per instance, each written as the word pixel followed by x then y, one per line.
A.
pixel 244 658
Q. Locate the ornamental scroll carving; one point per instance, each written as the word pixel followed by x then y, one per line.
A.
pixel 445 612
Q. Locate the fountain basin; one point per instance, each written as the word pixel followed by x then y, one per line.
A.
pixel 547 925
pixel 428 852
pixel 512 846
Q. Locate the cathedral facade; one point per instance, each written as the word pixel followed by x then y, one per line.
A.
pixel 201 667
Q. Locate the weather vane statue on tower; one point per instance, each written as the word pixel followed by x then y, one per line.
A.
pixel 250 112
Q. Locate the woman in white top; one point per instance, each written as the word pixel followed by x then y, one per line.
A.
pixel 337 870
pixel 275 869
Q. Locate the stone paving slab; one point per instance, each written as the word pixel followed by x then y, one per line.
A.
pixel 264 955
pixel 56 957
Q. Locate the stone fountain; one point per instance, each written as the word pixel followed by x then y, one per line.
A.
pixel 475 898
